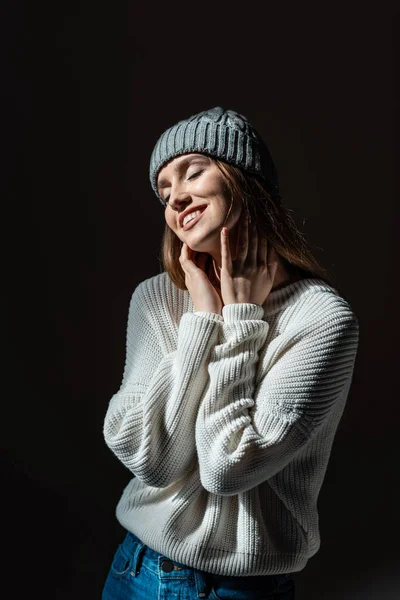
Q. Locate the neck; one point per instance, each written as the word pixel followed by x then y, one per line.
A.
pixel 283 276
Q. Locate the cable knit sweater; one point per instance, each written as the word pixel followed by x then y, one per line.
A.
pixel 227 423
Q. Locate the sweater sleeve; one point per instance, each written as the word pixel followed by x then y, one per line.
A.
pixel 246 434
pixel 150 421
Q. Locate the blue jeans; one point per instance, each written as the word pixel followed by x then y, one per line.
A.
pixel 139 573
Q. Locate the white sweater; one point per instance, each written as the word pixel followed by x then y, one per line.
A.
pixel 227 423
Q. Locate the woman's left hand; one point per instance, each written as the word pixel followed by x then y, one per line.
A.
pixel 250 277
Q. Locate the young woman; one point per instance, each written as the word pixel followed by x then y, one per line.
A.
pixel 239 360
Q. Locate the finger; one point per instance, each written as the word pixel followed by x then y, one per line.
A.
pixel 185 257
pixel 272 262
pixel 272 255
pixel 243 239
pixel 188 252
pixel 184 251
pixel 252 254
pixel 272 268
pixel 262 250
pixel 182 256
pixel 226 257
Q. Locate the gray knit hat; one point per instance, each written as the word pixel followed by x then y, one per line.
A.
pixel 222 134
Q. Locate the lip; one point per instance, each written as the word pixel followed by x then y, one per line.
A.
pixel 188 211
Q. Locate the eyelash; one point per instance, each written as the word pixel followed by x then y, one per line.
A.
pixel 196 174
pixel 193 176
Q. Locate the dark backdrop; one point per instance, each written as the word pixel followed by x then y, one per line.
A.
pixel 88 89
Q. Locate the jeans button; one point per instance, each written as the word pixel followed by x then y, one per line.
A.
pixel 167 566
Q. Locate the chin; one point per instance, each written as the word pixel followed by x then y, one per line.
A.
pixel 202 245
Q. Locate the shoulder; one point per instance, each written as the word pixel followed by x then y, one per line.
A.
pixel 160 284
pixel 326 305
pixel 160 297
pixel 312 304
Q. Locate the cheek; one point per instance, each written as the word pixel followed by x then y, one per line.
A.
pixel 169 218
pixel 209 185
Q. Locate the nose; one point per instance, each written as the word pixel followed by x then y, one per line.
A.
pixel 178 197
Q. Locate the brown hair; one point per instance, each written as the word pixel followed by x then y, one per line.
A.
pixel 274 221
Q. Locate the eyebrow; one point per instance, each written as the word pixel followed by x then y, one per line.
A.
pixel 180 165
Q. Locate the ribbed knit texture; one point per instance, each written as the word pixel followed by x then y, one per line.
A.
pixel 227 423
pixel 220 133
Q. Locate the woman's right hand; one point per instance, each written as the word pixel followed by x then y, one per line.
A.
pixel 204 295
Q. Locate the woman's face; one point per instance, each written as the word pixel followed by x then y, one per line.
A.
pixel 194 181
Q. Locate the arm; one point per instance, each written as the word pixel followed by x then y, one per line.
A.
pixel 150 421
pixel 245 435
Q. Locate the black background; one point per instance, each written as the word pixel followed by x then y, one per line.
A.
pixel 88 89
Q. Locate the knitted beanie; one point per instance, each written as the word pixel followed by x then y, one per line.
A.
pixel 219 133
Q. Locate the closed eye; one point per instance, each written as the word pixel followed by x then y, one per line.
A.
pixel 193 176
pixel 196 174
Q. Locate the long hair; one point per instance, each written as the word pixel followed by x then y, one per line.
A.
pixel 274 222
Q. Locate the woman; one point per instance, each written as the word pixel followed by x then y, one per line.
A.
pixel 239 360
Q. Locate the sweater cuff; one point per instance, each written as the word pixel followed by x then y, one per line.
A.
pixel 242 311
pixel 209 315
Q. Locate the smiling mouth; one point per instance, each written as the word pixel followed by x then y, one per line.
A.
pixel 193 222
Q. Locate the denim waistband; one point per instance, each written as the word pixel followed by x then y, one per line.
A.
pixel 166 568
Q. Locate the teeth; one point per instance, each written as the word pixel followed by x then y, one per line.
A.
pixel 191 216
